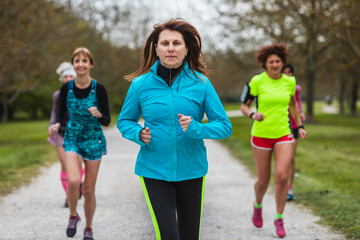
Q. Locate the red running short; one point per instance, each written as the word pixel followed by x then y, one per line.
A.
pixel 268 143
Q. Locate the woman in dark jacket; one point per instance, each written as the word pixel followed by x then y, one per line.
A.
pixel 87 104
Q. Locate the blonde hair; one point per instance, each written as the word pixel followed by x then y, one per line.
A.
pixel 84 51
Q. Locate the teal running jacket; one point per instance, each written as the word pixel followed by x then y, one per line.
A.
pixel 171 154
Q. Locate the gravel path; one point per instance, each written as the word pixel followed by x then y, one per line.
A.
pixel 35 211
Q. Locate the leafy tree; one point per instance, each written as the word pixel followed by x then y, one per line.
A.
pixel 38 35
pixel 31 44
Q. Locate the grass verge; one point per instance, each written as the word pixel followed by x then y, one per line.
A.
pixel 23 149
pixel 327 167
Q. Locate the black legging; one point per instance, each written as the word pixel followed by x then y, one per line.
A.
pixel 175 207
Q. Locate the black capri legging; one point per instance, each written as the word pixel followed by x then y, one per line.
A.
pixel 175 207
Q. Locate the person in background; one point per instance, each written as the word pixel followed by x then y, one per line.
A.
pixel 271 131
pixel 288 69
pixel 86 102
pixel 171 93
pixel 66 73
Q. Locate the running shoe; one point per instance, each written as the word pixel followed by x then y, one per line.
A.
pixel 88 234
pixel 73 222
pixel 66 204
pixel 257 217
pixel 279 225
pixel 290 197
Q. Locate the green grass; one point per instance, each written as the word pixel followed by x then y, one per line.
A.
pixel 114 117
pixel 232 106
pixel 23 149
pixel 327 166
pixel 318 105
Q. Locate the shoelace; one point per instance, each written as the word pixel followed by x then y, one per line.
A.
pixel 280 224
pixel 88 233
pixel 258 213
pixel 72 221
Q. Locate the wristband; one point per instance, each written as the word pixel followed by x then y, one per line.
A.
pixel 251 114
pixel 301 126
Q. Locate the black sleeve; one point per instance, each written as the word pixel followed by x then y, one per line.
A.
pixel 102 97
pixel 246 94
pixel 61 104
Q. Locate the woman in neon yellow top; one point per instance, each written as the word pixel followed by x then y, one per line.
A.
pixel 271 130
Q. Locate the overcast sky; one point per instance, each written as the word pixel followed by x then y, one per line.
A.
pixel 197 12
pixel 203 15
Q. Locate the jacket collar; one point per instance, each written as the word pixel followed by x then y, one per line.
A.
pixel 154 68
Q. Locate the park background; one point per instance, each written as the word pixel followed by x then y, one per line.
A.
pixel 322 36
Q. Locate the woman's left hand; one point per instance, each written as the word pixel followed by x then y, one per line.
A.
pixel 302 133
pixel 184 121
pixel 95 112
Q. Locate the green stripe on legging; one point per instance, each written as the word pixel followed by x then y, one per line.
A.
pixel 153 217
pixel 202 202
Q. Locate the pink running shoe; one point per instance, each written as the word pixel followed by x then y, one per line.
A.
pixel 279 225
pixel 257 217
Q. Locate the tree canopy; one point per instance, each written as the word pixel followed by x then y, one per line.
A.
pixel 321 35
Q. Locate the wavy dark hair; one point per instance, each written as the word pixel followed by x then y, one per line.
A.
pixel 290 66
pixel 194 58
pixel 265 51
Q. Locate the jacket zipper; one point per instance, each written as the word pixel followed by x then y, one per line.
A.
pixel 173 133
pixel 170 83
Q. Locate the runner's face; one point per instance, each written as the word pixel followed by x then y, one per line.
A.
pixel 273 65
pixel 171 48
pixel 287 71
pixel 67 78
pixel 82 65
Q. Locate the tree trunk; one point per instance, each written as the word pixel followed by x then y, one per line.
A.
pixel 342 95
pixel 310 96
pixel 33 113
pixel 4 116
pixel 310 73
pixel 354 97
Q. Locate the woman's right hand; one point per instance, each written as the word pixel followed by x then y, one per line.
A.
pixel 49 131
pixel 145 135
pixel 54 128
pixel 258 116
pixel 302 133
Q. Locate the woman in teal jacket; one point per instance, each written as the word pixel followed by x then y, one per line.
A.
pixel 171 93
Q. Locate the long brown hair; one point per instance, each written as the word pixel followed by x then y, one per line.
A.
pixel 194 58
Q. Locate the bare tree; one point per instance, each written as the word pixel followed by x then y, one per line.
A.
pixel 345 22
pixel 297 23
